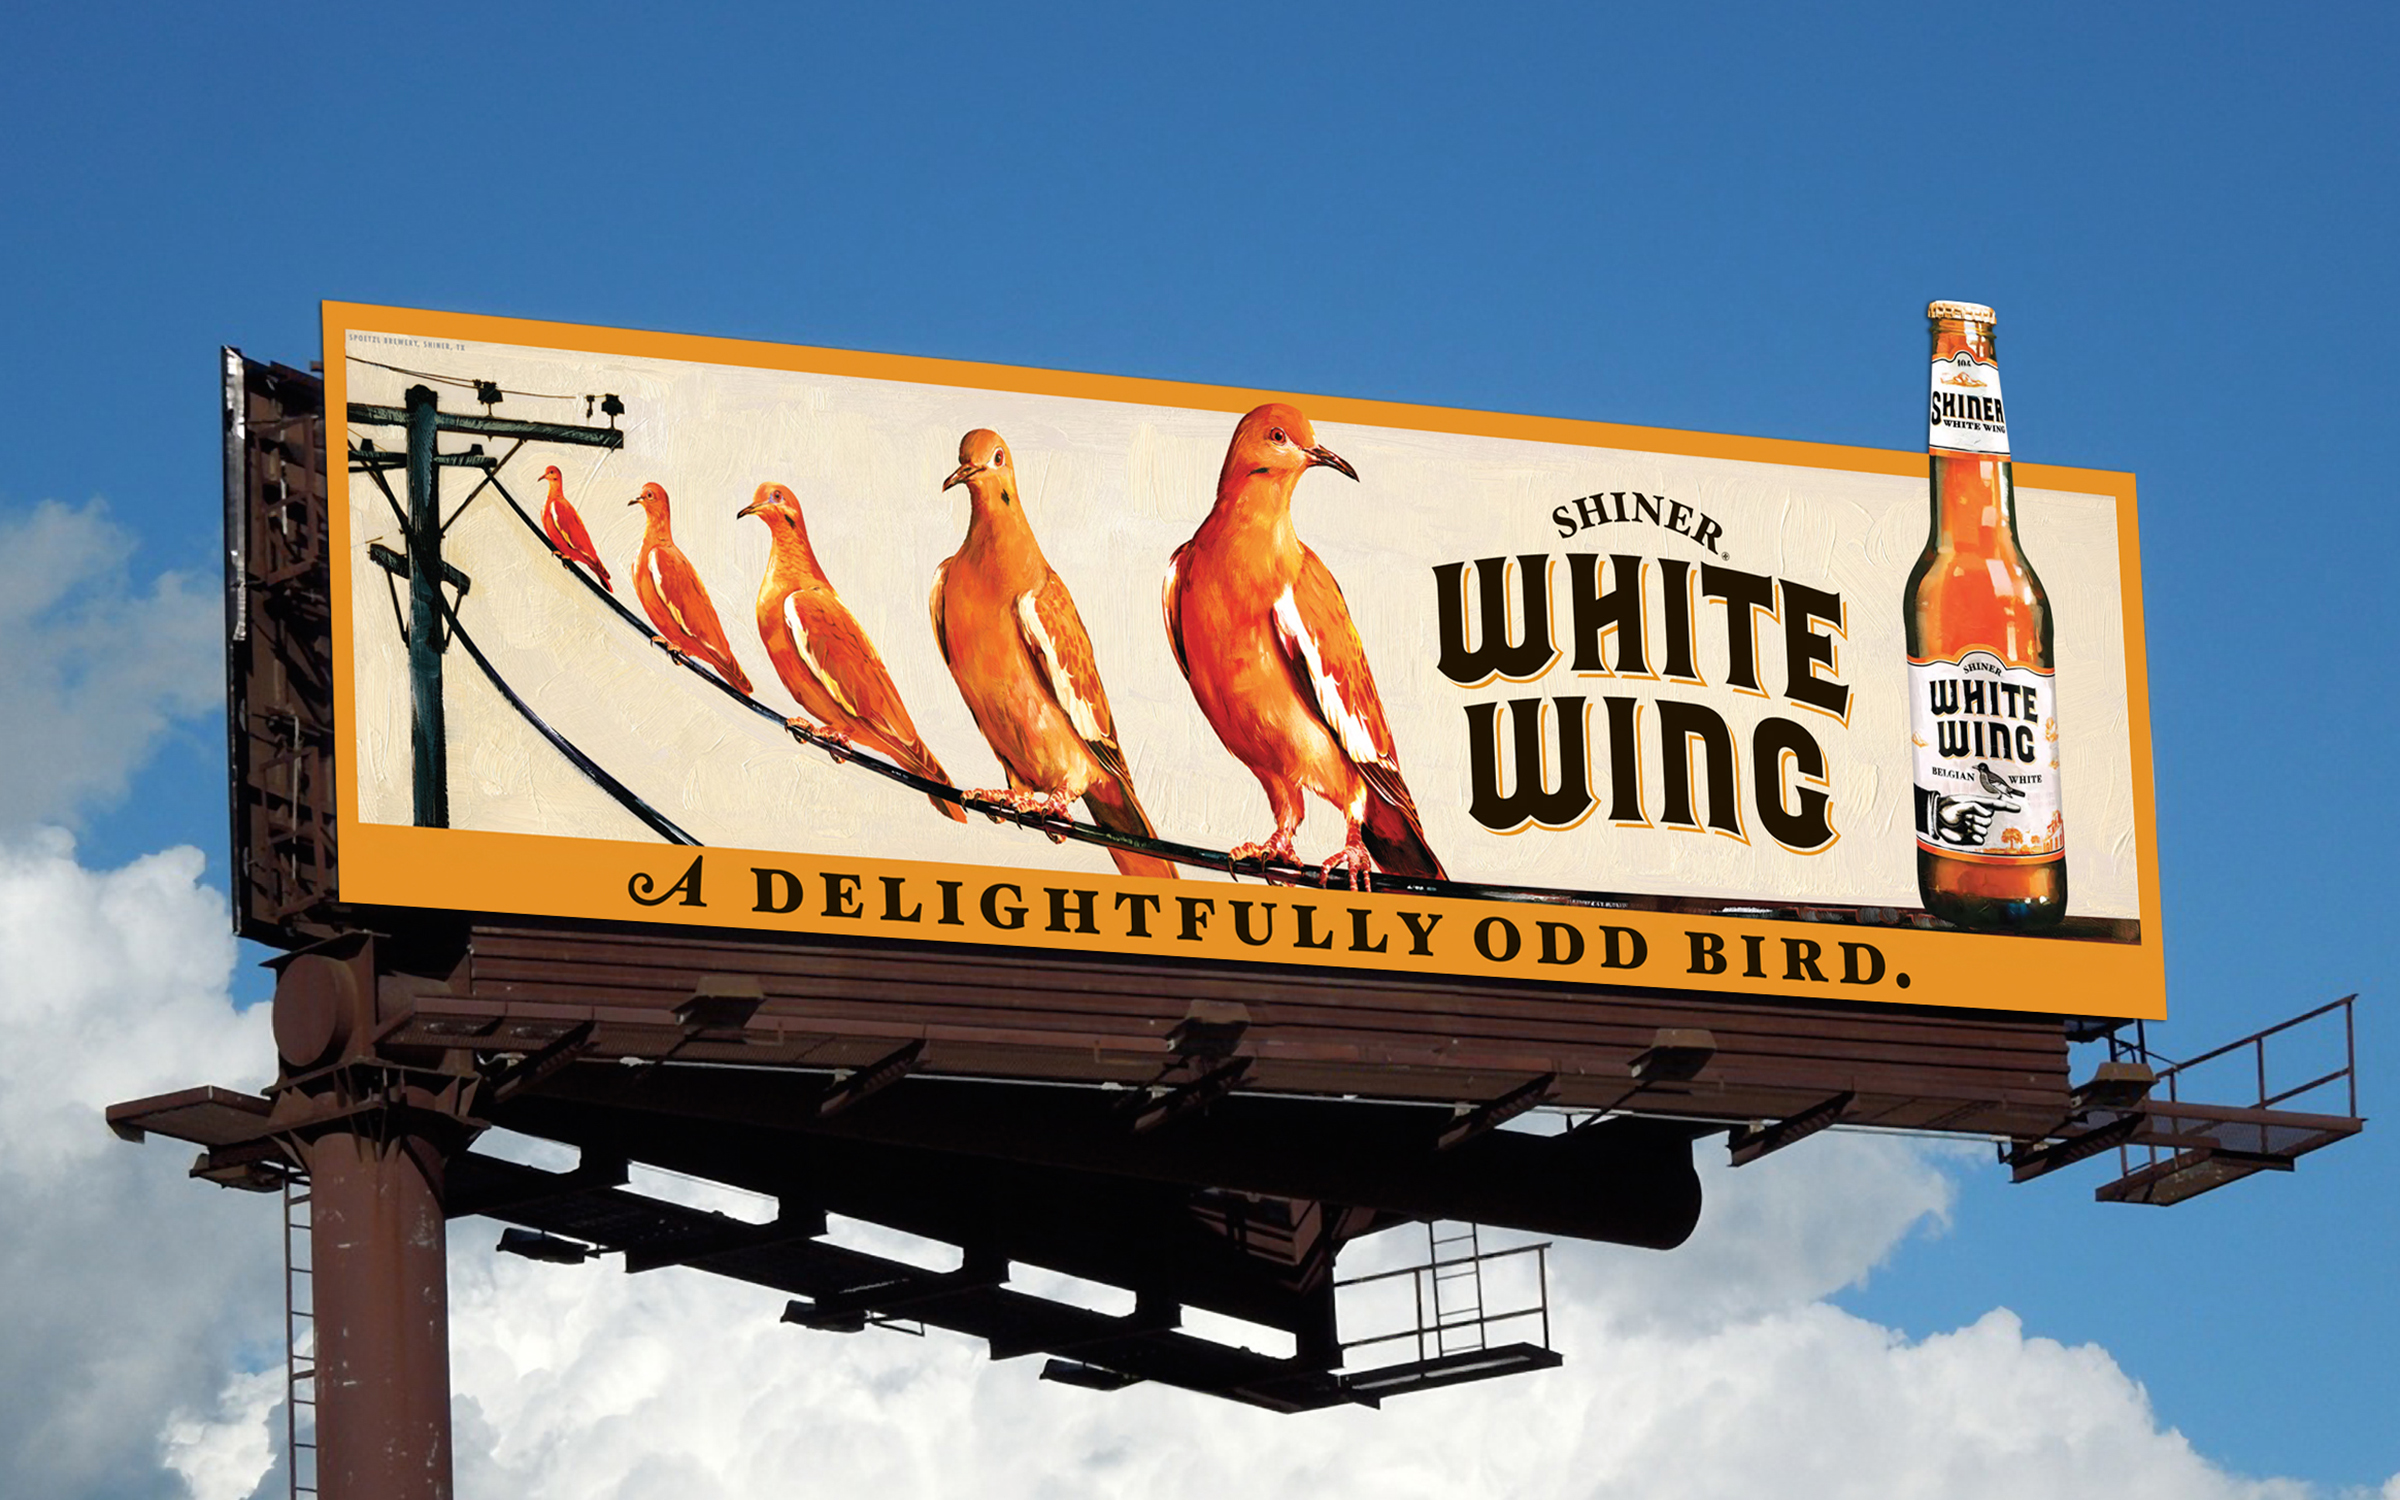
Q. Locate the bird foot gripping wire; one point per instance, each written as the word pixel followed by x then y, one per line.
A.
pixel 1043 806
pixel 1354 862
pixel 824 736
pixel 1277 850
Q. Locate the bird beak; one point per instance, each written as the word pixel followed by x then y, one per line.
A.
pixel 1331 460
pixel 748 510
pixel 636 500
pixel 962 474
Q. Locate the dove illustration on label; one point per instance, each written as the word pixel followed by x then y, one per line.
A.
pixel 1983 709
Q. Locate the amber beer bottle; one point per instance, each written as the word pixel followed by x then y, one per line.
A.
pixel 1983 711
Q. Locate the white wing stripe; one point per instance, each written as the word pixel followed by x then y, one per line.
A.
pixel 1062 686
pixel 1356 735
pixel 658 584
pixel 825 679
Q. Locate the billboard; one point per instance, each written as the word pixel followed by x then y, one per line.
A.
pixel 682 630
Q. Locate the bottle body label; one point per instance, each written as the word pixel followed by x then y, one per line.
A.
pixel 1987 774
pixel 1965 414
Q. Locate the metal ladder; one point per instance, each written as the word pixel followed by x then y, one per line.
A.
pixel 1455 1267
pixel 299 1339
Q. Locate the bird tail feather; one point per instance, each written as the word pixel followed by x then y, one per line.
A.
pixel 726 667
pixel 1397 843
pixel 920 760
pixel 1113 806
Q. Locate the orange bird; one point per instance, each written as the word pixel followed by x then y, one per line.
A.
pixel 670 590
pixel 1265 640
pixel 823 656
pixel 1009 630
pixel 565 529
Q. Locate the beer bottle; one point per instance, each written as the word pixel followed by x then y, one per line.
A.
pixel 1983 711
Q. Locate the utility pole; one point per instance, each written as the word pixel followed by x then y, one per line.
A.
pixel 428 734
pixel 422 565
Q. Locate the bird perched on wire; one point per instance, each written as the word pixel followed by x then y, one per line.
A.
pixel 1264 638
pixel 565 529
pixel 672 595
pixel 822 654
pixel 1023 661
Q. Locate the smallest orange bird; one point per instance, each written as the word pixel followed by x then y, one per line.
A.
pixel 671 594
pixel 565 529
pixel 823 654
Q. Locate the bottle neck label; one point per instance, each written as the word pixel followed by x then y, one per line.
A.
pixel 1966 415
pixel 1987 786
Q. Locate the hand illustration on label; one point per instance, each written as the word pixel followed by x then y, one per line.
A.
pixel 1966 822
pixel 1962 821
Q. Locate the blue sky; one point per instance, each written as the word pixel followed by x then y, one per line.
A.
pixel 1725 219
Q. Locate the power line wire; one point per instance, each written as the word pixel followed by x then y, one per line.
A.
pixel 462 382
pixel 625 796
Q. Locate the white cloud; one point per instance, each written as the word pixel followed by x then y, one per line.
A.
pixel 1797 1226
pixel 126 1289
pixel 97 670
pixel 224 1456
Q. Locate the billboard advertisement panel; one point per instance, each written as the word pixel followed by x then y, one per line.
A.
pixel 670 629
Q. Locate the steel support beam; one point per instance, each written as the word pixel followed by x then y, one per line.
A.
pixel 382 1312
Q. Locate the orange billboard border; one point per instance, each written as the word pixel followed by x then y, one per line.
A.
pixel 543 875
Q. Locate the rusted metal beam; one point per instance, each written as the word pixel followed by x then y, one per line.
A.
pixel 538 1065
pixel 904 1294
pixel 1183 1099
pixel 872 1079
pixel 1494 1113
pixel 1752 1142
pixel 733 1237
pixel 2031 1159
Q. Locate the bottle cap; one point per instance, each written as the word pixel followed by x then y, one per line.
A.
pixel 1968 312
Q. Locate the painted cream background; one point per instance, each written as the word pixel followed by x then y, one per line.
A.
pixel 1112 489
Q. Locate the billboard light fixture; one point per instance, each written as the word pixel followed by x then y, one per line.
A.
pixel 1210 1029
pixel 1676 1054
pixel 535 1244
pixel 1089 1377
pixel 2114 1086
pixel 809 1315
pixel 721 1002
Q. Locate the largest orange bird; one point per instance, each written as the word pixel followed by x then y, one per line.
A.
pixel 1014 641
pixel 673 596
pixel 822 654
pixel 1266 641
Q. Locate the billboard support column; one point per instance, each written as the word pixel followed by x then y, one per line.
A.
pixel 428 735
pixel 382 1315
